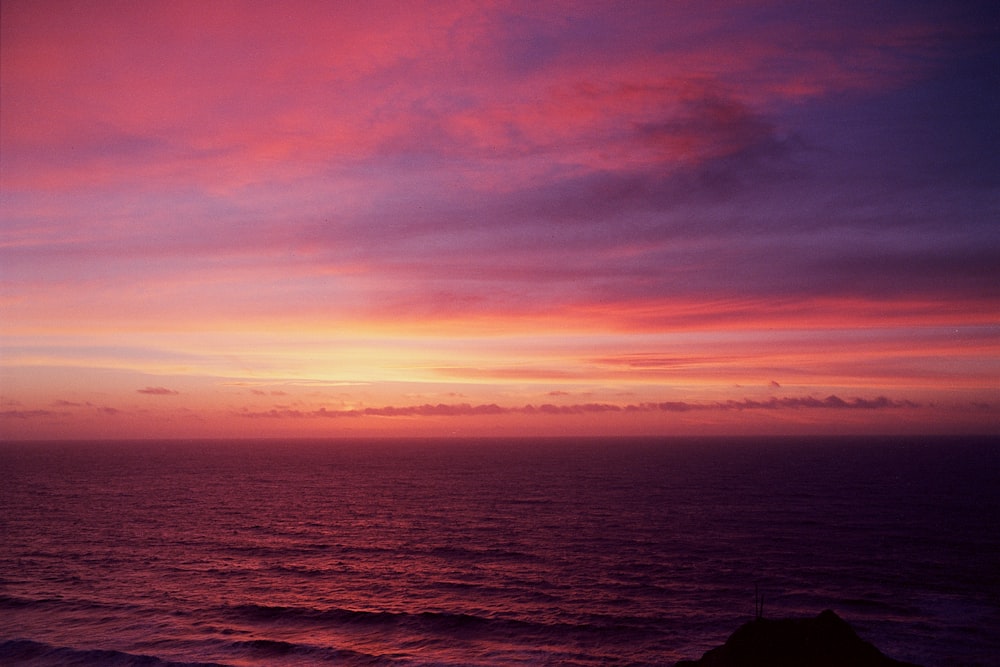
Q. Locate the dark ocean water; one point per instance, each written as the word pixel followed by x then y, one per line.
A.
pixel 491 552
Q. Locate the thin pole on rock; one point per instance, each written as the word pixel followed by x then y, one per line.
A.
pixel 758 603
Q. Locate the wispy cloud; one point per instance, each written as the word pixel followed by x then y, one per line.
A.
pixel 158 391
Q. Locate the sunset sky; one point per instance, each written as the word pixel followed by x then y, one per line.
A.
pixel 233 219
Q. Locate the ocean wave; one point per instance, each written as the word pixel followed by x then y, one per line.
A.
pixel 30 653
pixel 264 651
pixel 38 654
pixel 275 613
pixel 483 555
pixel 449 624
pixel 11 602
pixel 84 604
pixel 363 550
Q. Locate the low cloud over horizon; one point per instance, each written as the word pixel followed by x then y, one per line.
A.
pixel 466 409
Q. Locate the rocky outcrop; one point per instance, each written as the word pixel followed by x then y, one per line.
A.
pixel 824 641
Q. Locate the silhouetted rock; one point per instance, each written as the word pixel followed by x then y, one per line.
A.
pixel 824 641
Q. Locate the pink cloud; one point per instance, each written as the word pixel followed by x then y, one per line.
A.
pixel 158 391
pixel 130 89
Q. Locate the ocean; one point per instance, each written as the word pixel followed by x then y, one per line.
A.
pixel 491 552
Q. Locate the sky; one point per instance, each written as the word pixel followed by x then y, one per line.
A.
pixel 277 219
